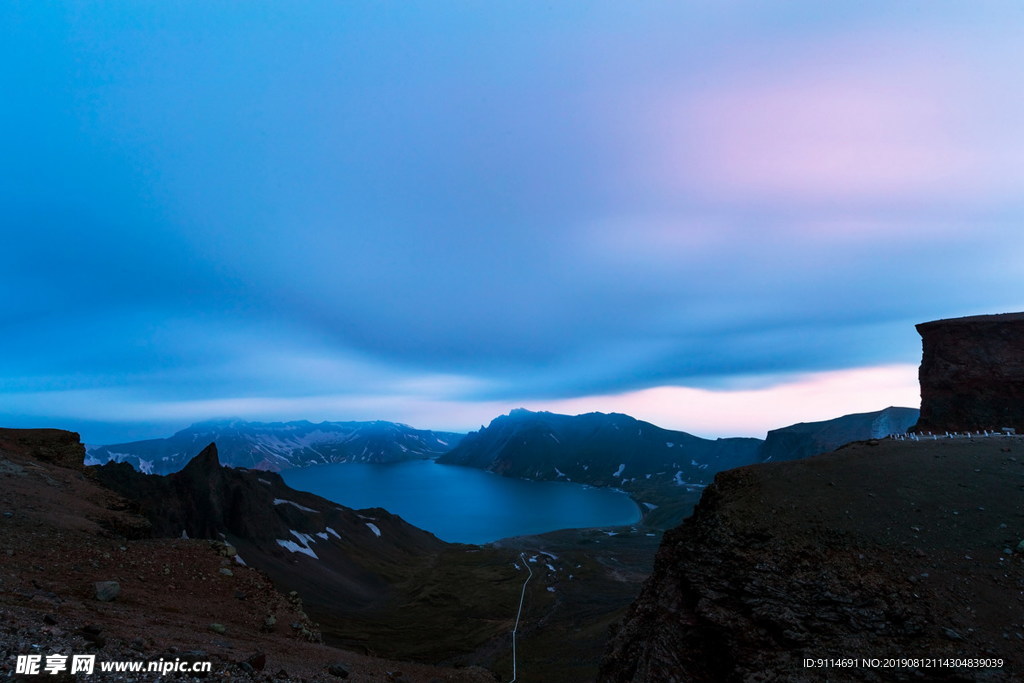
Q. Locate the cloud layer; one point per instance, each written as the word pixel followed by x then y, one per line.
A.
pixel 439 213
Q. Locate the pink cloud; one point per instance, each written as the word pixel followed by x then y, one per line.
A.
pixel 858 120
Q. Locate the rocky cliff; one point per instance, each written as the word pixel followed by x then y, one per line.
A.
pixel 972 373
pixel 881 549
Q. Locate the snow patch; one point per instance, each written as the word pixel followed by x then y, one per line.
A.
pixel 322 534
pixel 650 506
pixel 618 472
pixel 333 533
pixel 263 481
pixel 296 548
pixel 304 539
pixel 559 472
pixel 373 528
pixel 239 560
pixel 282 501
pixel 669 444
pixel 551 589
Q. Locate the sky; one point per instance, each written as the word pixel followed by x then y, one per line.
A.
pixel 722 217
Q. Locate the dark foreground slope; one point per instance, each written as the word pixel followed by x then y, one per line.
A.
pixel 881 549
pixel 61 531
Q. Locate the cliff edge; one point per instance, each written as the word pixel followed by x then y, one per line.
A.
pixel 880 549
pixel 972 373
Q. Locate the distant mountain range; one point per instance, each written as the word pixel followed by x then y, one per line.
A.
pixel 811 438
pixel 276 446
pixel 665 470
pixel 597 448
pixel 614 449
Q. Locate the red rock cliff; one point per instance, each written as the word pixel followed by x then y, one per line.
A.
pixel 972 373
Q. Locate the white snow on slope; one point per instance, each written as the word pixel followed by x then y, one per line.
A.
pixel 282 501
pixel 618 472
pixel 304 539
pixel 333 533
pixel 296 548
pixel 302 546
pixel 373 528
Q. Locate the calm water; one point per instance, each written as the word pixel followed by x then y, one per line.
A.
pixel 464 504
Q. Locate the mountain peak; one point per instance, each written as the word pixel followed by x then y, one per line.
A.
pixel 207 461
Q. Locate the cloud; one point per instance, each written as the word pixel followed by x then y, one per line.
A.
pixel 452 210
pixel 866 118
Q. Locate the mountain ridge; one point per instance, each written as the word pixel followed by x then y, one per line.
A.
pixel 663 470
pixel 274 446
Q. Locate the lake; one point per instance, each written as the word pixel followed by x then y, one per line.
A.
pixel 465 504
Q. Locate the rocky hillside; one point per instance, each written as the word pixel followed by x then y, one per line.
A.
pixel 811 438
pixel 881 549
pixel 277 446
pixel 270 525
pixel 664 470
pixel 84 571
pixel 371 580
pixel 972 373
pixel 597 448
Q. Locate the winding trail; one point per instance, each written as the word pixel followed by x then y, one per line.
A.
pixel 515 628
